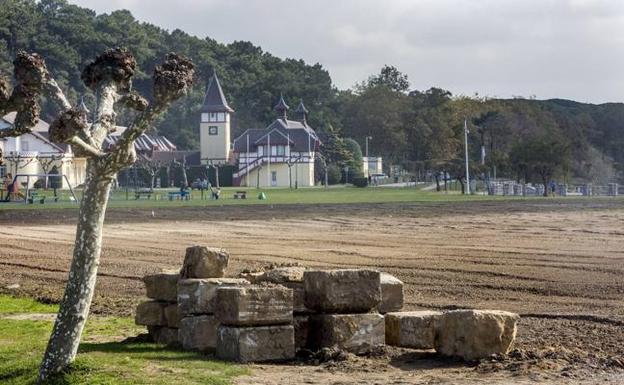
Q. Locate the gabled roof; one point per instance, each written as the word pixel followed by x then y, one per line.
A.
pixel 214 100
pixel 41 126
pixel 282 131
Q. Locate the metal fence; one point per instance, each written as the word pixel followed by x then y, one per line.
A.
pixel 512 188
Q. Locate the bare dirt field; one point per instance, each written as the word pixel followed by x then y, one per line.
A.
pixel 559 263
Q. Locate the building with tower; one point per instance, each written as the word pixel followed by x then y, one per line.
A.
pixel 279 155
pixel 214 126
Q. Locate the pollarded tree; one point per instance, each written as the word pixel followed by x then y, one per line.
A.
pixel 110 77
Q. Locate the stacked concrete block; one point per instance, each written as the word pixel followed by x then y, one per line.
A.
pixel 391 294
pixel 413 329
pixel 202 274
pixel 160 313
pixel 292 278
pixel 345 302
pixel 255 323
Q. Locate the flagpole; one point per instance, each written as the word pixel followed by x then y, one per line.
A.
pixel 467 189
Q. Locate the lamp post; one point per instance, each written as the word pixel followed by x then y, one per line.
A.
pixel 467 190
pixel 367 161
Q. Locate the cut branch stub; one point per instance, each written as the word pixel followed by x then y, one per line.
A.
pixel 172 79
pixel 30 71
pixel 68 125
pixel 134 101
pixel 115 65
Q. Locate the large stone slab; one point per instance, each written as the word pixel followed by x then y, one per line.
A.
pixel 301 324
pixel 164 335
pixel 412 329
pixel 256 344
pixel 342 291
pixel 391 293
pixel 254 305
pixel 198 296
pixel 475 334
pixel 283 275
pixel 199 332
pixel 151 313
pixel 355 333
pixel 204 262
pixel 162 286
pixel 172 315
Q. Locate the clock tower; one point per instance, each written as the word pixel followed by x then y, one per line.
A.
pixel 214 126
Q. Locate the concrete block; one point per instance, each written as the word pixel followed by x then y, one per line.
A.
pixel 412 329
pixel 355 333
pixel 391 294
pixel 254 305
pixel 172 315
pixel 204 262
pixel 199 332
pixel 162 286
pixel 164 335
pixel 198 296
pixel 301 323
pixel 342 291
pixel 256 344
pixel 151 313
pixel 475 334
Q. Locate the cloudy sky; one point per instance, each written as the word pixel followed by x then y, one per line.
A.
pixel 544 48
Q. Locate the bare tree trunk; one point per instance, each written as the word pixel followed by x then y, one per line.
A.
pixel 74 308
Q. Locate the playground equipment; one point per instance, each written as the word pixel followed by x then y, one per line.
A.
pixel 30 197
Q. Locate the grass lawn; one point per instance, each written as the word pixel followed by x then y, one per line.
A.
pixel 311 195
pixel 102 359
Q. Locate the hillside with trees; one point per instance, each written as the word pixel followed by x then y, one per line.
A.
pixel 419 130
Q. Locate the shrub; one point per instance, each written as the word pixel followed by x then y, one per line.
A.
pixel 360 181
pixel 333 174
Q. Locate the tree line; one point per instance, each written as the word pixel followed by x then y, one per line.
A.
pixel 421 131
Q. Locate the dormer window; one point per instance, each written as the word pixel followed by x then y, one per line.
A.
pixel 204 117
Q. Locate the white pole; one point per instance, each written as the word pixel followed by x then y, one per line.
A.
pixel 467 189
pixel 247 163
pixel 269 162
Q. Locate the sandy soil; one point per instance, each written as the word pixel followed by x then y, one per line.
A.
pixel 557 263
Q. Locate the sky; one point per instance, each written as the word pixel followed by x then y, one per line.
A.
pixel 572 49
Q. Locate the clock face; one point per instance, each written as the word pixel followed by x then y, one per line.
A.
pixel 213 130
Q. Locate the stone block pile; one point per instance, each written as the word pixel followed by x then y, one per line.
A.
pixel 269 315
pixel 345 303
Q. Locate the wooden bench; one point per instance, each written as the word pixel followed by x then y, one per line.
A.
pixel 240 195
pixel 36 197
pixel 143 193
pixel 179 195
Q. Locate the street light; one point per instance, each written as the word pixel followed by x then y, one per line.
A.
pixel 367 160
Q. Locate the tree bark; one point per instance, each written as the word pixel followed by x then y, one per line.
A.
pixel 74 307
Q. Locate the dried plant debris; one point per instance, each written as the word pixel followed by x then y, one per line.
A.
pixel 117 65
pixel 173 78
pixel 69 124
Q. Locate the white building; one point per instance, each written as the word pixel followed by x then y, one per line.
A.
pixel 34 154
pixel 280 155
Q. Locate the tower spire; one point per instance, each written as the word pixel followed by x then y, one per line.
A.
pixel 303 112
pixel 281 108
pixel 214 100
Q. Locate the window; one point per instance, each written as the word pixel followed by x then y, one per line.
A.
pixel 273 178
pixel 204 117
pixel 221 116
pixel 213 117
pixel 213 130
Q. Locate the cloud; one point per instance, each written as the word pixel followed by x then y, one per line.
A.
pixel 547 48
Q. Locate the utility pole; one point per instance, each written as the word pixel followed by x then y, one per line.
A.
pixel 467 189
pixel 367 160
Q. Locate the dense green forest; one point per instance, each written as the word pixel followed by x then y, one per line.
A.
pixel 422 131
